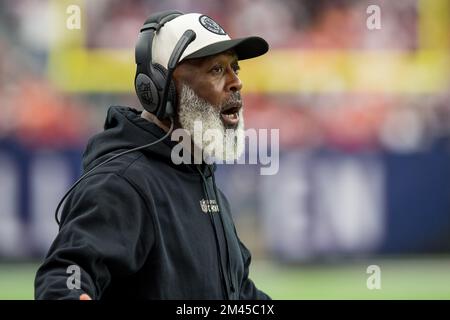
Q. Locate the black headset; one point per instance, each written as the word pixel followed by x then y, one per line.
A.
pixel 153 83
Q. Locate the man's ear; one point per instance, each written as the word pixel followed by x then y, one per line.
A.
pixel 177 79
pixel 178 86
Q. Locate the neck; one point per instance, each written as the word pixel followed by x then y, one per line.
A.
pixel 165 124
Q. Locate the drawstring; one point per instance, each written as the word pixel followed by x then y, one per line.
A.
pixel 211 218
pixel 230 280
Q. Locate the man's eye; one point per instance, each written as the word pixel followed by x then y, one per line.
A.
pixel 217 69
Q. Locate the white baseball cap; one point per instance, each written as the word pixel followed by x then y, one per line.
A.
pixel 210 39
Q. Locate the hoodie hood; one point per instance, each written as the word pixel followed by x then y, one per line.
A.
pixel 124 129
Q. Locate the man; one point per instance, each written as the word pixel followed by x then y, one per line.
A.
pixel 142 226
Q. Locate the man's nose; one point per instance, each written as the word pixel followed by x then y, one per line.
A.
pixel 234 83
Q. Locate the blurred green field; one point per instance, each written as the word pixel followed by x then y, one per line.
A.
pixel 400 279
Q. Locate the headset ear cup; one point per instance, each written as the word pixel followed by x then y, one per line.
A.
pixel 146 92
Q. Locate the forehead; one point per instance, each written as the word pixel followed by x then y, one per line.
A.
pixel 229 55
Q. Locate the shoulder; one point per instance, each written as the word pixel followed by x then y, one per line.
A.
pixel 135 173
pixel 104 195
pixel 130 167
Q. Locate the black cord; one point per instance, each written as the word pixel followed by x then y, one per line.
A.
pixel 105 162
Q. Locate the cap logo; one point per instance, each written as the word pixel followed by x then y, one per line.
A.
pixel 210 25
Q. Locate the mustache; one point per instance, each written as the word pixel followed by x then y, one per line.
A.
pixel 235 100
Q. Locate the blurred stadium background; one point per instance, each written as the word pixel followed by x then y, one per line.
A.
pixel 364 119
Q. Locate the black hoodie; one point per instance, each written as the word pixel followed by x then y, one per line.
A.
pixel 141 227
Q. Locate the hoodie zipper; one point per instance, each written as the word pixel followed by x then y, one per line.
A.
pixel 230 278
pixel 225 291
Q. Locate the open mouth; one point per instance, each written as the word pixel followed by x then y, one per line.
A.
pixel 230 116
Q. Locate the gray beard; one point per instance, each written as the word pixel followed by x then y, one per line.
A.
pixel 226 144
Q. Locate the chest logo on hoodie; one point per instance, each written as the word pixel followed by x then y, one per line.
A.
pixel 209 206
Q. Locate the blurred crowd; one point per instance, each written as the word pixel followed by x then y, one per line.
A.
pixel 37 115
pixel 34 111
